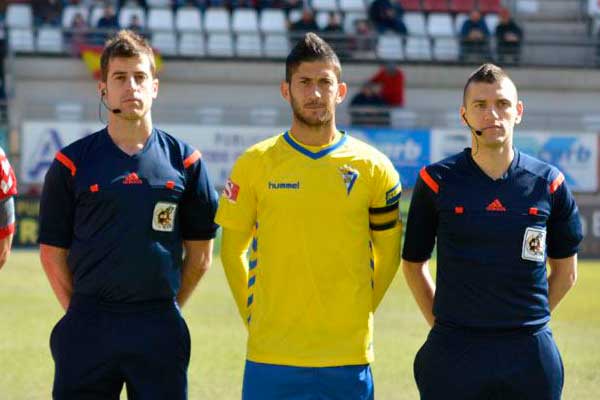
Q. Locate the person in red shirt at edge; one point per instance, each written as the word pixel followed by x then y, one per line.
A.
pixel 391 80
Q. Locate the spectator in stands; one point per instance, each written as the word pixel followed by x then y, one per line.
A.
pixel 391 80
pixel 334 34
pixel 135 24
pixel 141 3
pixel 334 23
pixel 289 5
pixel 109 20
pixel 368 96
pixel 368 107
pixel 78 33
pixel 306 24
pixel 107 24
pixel 387 15
pixel 508 37
pixel 475 38
pixel 365 39
pixel 47 12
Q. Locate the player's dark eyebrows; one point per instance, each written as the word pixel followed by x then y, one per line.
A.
pixel 124 73
pixel 478 101
pixel 318 78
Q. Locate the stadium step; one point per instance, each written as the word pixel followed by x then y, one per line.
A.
pixel 553 29
pixel 550 9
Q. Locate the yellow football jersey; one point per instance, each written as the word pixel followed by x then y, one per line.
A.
pixel 310 279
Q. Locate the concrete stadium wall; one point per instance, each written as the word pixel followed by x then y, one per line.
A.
pixel 188 84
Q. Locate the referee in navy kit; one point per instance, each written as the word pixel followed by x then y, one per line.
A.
pixel 117 211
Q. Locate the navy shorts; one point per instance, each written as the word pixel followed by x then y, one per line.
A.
pixel 97 348
pixel 459 364
pixel 278 382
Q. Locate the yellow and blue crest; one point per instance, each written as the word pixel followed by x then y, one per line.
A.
pixel 349 175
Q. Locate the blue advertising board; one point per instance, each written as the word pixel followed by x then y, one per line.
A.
pixel 408 149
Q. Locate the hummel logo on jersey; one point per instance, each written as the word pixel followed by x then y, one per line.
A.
pixel 284 185
pixel 349 175
pixel 495 206
pixel 132 179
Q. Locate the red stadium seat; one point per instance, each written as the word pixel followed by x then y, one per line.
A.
pixel 462 6
pixel 411 5
pixel 435 6
pixel 489 6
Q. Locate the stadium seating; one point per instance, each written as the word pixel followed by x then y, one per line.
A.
pixel 445 49
pixel 435 6
pixel 418 49
pixel 352 6
pixel 491 20
pixel 440 25
pixel 188 19
pixel 21 39
pixel 276 46
pixel 158 3
pixel 69 13
pixel 50 40
pixel 248 45
pixel 489 6
pixel 244 20
pixel 160 20
pixel 415 23
pixel 411 5
pixel 459 20
pixel 165 42
pixel 321 19
pixel 324 5
pixel 220 45
pixel 18 16
pixel 127 12
pixel 273 21
pixel 216 20
pixel 95 15
pixel 462 6
pixel 191 44
pixel 390 47
pixel 295 15
pixel 350 18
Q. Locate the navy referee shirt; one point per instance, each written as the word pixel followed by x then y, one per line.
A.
pixel 123 218
pixel 492 239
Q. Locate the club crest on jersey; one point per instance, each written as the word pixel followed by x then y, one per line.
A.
pixel 349 175
pixel 163 218
pixel 534 244
pixel 231 191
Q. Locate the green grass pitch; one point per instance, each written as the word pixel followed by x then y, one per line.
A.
pixel 28 311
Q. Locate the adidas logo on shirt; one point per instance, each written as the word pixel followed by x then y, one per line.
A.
pixel 132 179
pixel 495 205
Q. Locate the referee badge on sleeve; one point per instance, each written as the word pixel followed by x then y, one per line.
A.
pixel 534 244
pixel 163 218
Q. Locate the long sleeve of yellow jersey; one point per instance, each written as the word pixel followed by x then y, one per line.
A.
pixel 386 227
pixel 235 263
pixel 386 253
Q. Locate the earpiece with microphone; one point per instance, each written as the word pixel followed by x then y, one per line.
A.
pixel 112 110
pixel 477 131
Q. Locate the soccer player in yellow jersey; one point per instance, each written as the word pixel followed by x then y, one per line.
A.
pixel 319 211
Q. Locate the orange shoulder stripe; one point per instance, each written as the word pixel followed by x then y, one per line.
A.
pixel 433 185
pixel 66 161
pixel 556 183
pixel 192 158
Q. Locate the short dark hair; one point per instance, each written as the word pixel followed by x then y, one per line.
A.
pixel 486 73
pixel 125 44
pixel 308 49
